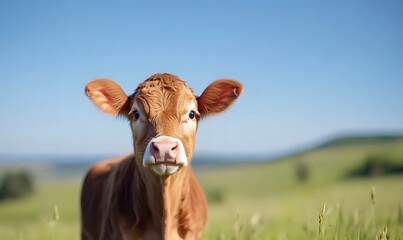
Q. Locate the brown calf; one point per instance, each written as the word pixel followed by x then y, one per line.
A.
pixel 151 193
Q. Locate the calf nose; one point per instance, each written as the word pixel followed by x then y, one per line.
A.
pixel 166 151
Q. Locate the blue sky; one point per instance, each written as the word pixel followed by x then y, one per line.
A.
pixel 311 70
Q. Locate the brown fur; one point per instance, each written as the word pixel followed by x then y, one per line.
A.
pixel 120 198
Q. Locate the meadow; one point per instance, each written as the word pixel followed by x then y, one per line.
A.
pixel 264 200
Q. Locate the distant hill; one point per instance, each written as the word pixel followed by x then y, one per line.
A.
pixel 330 163
pixel 360 140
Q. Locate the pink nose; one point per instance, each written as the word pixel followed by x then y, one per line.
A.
pixel 164 151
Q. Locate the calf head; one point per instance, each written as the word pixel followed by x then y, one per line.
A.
pixel 163 113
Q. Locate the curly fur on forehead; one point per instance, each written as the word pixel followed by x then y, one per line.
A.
pixel 164 93
pixel 161 81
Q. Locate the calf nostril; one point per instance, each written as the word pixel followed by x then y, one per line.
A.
pixel 155 147
pixel 174 147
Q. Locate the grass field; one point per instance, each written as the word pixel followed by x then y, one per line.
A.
pixel 254 201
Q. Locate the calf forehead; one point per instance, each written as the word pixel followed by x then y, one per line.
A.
pixel 161 81
pixel 164 93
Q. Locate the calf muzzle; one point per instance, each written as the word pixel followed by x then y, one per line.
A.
pixel 165 155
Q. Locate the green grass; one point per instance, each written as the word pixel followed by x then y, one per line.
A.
pixel 255 201
pixel 33 217
pixel 294 215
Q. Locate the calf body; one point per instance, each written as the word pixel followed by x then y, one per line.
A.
pixel 152 193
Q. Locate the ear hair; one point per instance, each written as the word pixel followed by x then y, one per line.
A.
pixel 219 96
pixel 108 96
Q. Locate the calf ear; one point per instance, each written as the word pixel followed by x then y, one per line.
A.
pixel 108 96
pixel 218 96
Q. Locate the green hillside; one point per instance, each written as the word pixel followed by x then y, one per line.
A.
pixel 289 209
pixel 267 200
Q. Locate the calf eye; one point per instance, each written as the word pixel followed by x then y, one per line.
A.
pixel 192 114
pixel 136 114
